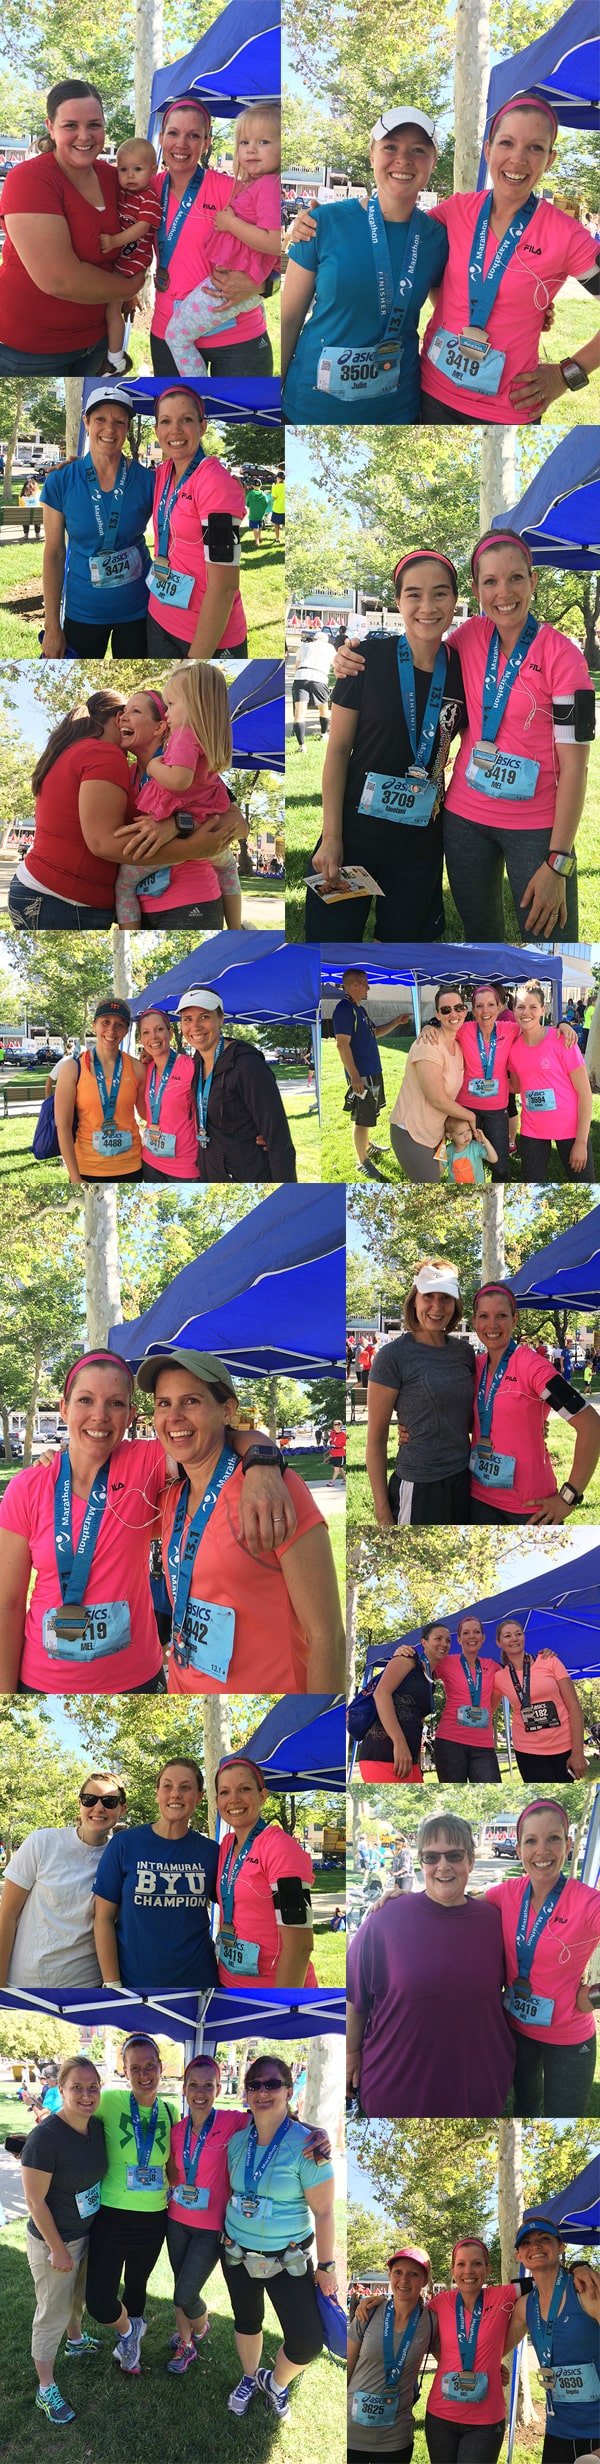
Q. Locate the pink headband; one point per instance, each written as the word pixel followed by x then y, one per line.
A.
pixel 504 1288
pixel 525 102
pixel 499 538
pixel 186 102
pixel 228 1759
pixel 541 1805
pixel 416 556
pixel 470 2241
pixel 88 1359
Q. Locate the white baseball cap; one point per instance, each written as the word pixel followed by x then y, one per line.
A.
pixel 403 115
pixel 437 1279
pixel 109 393
pixel 199 997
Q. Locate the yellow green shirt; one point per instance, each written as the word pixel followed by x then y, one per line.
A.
pixel 114 2111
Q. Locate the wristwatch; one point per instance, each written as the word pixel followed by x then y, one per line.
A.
pixel 561 861
pixel 574 375
pixel 271 1456
pixel 572 1497
pixel 184 825
pixel 326 2267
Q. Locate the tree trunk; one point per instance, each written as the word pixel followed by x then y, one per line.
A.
pixel 272 1409
pixel 148 56
pixel 323 2101
pixel 497 484
pixel 32 1405
pixel 102 1277
pixel 4 1418
pixel 493 1259
pixel 122 967
pixel 471 72
pixel 73 401
pixel 12 439
pixel 351 1616
pixel 591 611
pixel 592 1050
pixel 510 2210
pixel 217 1741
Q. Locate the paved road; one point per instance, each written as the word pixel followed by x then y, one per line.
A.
pixel 11 2190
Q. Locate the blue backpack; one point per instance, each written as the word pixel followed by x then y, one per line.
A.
pixel 45 1140
pixel 361 1710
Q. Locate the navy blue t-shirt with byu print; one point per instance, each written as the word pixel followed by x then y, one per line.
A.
pixel 163 1890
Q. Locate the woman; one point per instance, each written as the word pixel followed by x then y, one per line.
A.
pixel 54 286
pixel 431 1380
pixel 100 504
pixel 220 1596
pixel 129 2228
pixel 464 1746
pixel 512 1477
pixel 425 1981
pixel 191 195
pixel 154 1888
pixel 402 1700
pixel 85 823
pixel 263 1886
pixel 365 275
pixel 64 2163
pixel 242 1127
pixel 546 1715
pixel 509 254
pixel 198 2194
pixel 89 1619
pixel 518 786
pixel 486 1041
pixel 397 703
pixel 181 898
pixel 429 1094
pixel 101 1093
pixel 560 2314
pixel 555 1092
pixel 194 608
pixel 169 1135
pixel 276 2187
pixel 387 2344
pixel 474 2322
pixel 550 1929
pixel 47 1904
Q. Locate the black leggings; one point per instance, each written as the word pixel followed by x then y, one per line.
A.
pixel 536 1156
pixel 91 641
pixel 465 1762
pixel 293 2299
pixel 253 358
pixel 408 865
pixel 209 915
pixel 563 2450
pixel 555 2080
pixel 122 2238
pixel 544 1766
pixel 163 645
pixel 193 2252
pixel 477 856
pixel 449 2443
pixel 495 1127
pixel 393 2455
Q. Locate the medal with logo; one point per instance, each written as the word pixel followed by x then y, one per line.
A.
pixel 194 2194
pixel 228 1947
pixel 468 359
pixel 78 1631
pixel 542 2332
pixel 533 2009
pixel 508 775
pixel 368 369
pixel 203 1095
pixel 491 1468
pixel 144 2175
pixel 467 2385
pixel 166 240
pixel 203 1633
pixel 257 2163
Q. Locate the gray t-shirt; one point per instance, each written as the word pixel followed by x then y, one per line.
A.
pixel 54 1941
pixel 368 2379
pixel 76 2161
pixel 435 1401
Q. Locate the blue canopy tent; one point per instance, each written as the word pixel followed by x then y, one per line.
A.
pixel 563 65
pixel 417 962
pixel 577 2211
pixel 566 1273
pixel 301 1742
pixel 259 977
pixel 238 61
pixel 198 2021
pixel 559 515
pixel 251 399
pixel 276 1289
pixel 257 705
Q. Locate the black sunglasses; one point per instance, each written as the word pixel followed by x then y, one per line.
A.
pixel 110 1802
pixel 271 2080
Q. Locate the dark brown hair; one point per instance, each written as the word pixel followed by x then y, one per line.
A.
pixel 69 89
pixel 85 719
pixel 409 1313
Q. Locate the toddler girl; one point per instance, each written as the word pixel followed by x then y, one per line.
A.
pixel 247 236
pixel 184 776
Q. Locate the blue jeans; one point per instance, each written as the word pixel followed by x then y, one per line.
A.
pixel 62 363
pixel 38 911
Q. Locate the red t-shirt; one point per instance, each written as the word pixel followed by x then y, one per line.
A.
pixel 32 320
pixel 59 858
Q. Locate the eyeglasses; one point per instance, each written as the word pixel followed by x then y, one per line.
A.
pixel 449 1009
pixel 110 1802
pixel 270 2081
pixel 435 1856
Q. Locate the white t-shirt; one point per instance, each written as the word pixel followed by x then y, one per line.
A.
pixel 315 661
pixel 54 1943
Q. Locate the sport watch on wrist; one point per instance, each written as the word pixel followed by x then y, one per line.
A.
pixel 184 825
pixel 561 860
pixel 270 1456
pixel 574 375
pixel 572 1497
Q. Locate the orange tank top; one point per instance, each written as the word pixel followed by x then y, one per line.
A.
pixel 101 1155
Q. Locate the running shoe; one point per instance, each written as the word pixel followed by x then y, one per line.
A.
pixel 75 2347
pixel 183 2355
pixel 276 2396
pixel 371 1170
pixel 199 2332
pixel 50 2402
pixel 127 2348
pixel 241 2396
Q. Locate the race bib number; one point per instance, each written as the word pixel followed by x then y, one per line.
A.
pixel 483 1086
pixel 472 371
pixel 87 2202
pixel 145 2177
pixel 502 775
pixel 469 1716
pixel 540 1099
pixel 539 1715
pixel 496 1471
pixel 355 375
pixel 207 1638
pixel 534 2009
pixel 153 884
pixel 190 2194
pixel 110 1141
pixel 576 2382
pixel 119 566
pixel 240 1958
pixel 389 798
pixel 159 1141
pixel 93 1633
pixel 173 589
pixel 465 2386
pixel 368 2408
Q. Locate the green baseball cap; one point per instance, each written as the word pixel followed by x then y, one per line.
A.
pixel 203 1365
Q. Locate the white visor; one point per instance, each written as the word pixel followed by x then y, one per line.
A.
pixel 199 997
pixel 437 1279
pixel 403 117
pixel 110 393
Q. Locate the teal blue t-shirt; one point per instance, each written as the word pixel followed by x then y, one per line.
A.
pixel 68 491
pixel 345 312
pixel 281 2188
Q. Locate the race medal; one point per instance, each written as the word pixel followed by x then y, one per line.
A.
pixel 159 1141
pixel 495 1471
pixel 145 2177
pixel 474 338
pixel 241 1958
pixel 86 1634
pixel 193 2195
pixel 548 2377
pixel 206 1640
pixel 111 1141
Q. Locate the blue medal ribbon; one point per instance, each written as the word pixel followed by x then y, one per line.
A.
pixel 191 2162
pixel 485 1402
pixel 144 2140
pixel 541 2330
pixel 526 1945
pixel 394 2357
pixel 203 1093
pixel 393 305
pixel 108 1102
pixel 487 1059
pixel 74 1565
pixel 232 1867
pixel 406 675
pixel 255 2164
pixel 168 501
pixel 495 695
pixel 156 1092
pixel 166 241
pixel 107 504
pixel 467 2342
pixel 181 1564
pixel 484 288
pixel 474 1682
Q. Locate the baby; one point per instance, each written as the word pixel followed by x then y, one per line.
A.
pixel 247 237
pixel 139 215
pixel 464 1158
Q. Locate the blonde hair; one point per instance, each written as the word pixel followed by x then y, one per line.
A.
pixel 409 1314
pixel 203 691
pixel 76 2061
pixel 271 114
pixel 142 145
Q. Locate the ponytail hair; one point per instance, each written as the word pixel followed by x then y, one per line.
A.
pixel 69 89
pixel 87 718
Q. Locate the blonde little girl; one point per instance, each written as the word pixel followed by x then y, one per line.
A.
pixel 247 237
pixel 185 776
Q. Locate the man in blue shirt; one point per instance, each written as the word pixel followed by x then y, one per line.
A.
pixel 358 1046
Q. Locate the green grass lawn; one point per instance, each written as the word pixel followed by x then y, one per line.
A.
pixel 16 1135
pixel 154 2415
pixel 261 584
pixel 303 825
pixel 338 1158
pixel 560 1442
